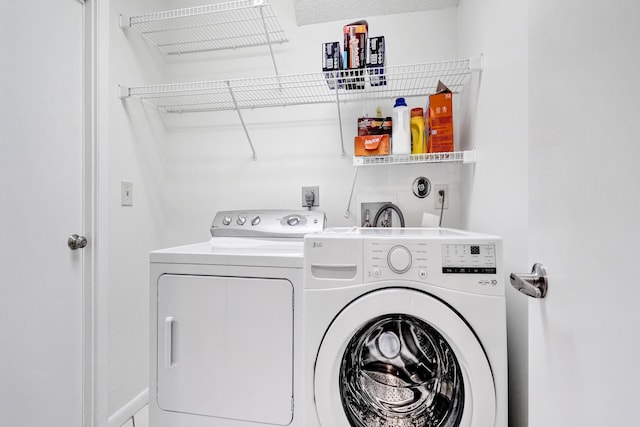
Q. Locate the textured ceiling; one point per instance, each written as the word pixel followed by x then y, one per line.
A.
pixel 315 11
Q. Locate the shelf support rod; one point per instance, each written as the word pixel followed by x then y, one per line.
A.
pixel 344 154
pixel 260 5
pixel 244 127
pixel 347 213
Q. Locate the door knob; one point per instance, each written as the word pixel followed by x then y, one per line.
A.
pixel 534 284
pixel 76 242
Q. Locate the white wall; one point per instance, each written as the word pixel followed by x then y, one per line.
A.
pixel 208 157
pixel 495 197
pixel 135 153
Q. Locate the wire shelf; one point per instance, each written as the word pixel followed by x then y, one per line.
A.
pixel 315 88
pixel 219 26
pixel 455 156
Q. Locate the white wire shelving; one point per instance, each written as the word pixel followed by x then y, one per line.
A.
pixel 313 88
pixel 219 26
pixel 398 159
pixel 300 89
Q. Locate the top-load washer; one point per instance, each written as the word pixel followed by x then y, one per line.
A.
pixel 226 336
pixel 404 327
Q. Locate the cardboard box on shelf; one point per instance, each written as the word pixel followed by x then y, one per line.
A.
pixel 375 61
pixel 332 64
pixel 371 145
pixel 355 51
pixel 440 120
pixel 374 125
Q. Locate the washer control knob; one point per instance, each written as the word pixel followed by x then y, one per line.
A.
pixel 255 220
pixel 399 259
pixel 226 220
pixel 241 220
pixel 293 220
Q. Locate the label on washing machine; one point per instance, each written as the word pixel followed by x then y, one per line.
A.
pixel 469 259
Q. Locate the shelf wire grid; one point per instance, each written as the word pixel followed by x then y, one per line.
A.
pixel 455 156
pixel 315 88
pixel 219 26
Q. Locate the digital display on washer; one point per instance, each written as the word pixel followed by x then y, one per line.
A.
pixel 469 259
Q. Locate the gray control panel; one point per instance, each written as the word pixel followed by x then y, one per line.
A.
pixel 267 223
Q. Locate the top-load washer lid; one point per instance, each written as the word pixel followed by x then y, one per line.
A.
pixel 270 224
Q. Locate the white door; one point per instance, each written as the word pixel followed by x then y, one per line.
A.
pixel 41 167
pixel 584 173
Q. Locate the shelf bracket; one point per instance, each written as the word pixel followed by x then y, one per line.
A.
pixel 125 21
pixel 344 154
pixel 123 92
pixel 347 213
pixel 260 5
pixel 470 156
pixel 477 64
pixel 244 126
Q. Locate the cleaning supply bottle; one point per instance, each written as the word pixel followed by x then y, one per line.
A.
pixel 418 136
pixel 400 131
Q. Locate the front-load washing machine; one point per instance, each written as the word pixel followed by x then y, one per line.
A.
pixel 404 327
pixel 226 324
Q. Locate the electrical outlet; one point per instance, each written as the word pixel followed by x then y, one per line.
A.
pixel 437 198
pixel 310 194
pixel 126 193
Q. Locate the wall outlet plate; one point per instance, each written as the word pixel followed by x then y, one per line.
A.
pixel 437 199
pixel 313 192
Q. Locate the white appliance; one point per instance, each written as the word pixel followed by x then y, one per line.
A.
pixel 226 336
pixel 404 327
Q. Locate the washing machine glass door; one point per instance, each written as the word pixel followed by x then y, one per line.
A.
pixel 399 357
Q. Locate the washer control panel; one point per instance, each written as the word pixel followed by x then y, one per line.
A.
pixel 267 223
pixel 386 259
pixel 469 259
pixel 416 259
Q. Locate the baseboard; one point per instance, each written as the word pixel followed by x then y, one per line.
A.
pixel 122 415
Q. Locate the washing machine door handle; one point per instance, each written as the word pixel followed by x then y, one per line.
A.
pixel 534 284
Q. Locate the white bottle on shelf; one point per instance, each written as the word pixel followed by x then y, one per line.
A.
pixel 400 130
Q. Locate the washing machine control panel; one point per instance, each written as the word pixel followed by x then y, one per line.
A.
pixel 423 259
pixel 469 259
pixel 386 259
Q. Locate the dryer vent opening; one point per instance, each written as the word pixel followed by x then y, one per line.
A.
pixel 399 371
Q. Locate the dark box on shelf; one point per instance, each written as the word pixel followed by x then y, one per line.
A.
pixel 376 60
pixel 332 64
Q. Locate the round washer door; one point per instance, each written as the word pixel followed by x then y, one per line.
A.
pixel 400 357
